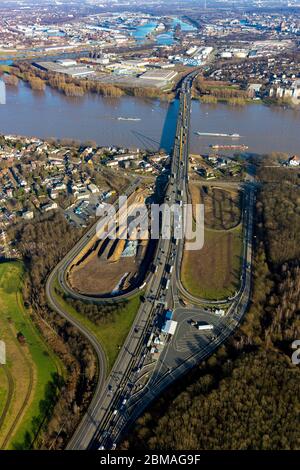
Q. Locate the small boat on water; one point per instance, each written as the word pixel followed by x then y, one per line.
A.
pixel 128 119
pixel 229 147
pixel 214 134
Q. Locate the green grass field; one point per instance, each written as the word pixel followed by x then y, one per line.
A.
pixel 213 273
pixel 3 388
pixel 38 359
pixel 111 335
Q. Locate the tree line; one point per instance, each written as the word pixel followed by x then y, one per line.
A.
pixel 212 92
pixel 97 313
pixel 70 86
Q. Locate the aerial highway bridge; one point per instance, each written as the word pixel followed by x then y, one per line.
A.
pixel 133 382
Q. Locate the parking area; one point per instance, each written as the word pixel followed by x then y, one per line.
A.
pixel 188 339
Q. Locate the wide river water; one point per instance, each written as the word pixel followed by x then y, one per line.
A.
pixel 166 38
pixel 51 114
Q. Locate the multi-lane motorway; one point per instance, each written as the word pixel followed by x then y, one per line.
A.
pixel 117 401
pixel 188 347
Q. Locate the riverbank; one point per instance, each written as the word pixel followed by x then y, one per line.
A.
pixel 275 103
pixel 74 87
pixel 214 92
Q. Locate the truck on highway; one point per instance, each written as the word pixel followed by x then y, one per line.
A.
pixel 155 268
pixel 170 268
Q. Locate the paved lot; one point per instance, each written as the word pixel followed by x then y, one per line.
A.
pixel 81 211
pixel 188 340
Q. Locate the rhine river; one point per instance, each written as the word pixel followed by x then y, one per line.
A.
pixel 51 114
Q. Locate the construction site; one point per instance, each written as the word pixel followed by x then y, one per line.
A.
pixel 113 266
